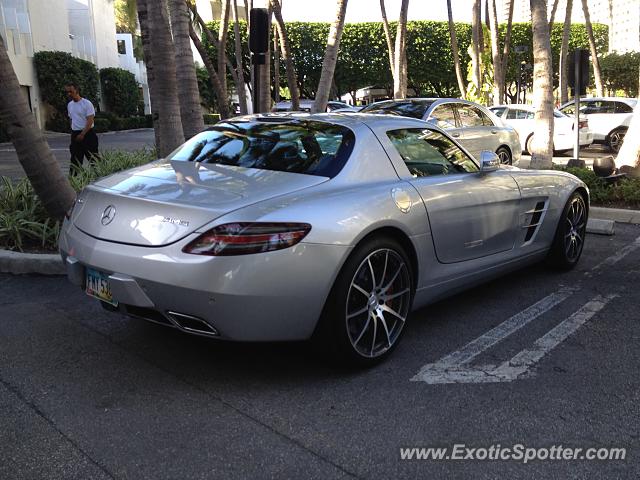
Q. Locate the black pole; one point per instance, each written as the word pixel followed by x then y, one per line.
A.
pixel 258 45
pixel 256 60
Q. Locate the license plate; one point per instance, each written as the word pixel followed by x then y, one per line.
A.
pixel 98 286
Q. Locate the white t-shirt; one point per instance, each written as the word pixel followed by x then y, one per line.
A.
pixel 78 113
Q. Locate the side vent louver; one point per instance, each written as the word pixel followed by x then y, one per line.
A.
pixel 535 220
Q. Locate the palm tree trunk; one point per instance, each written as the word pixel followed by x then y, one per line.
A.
pixel 247 8
pixel 505 51
pixel 292 80
pixel 629 153
pixel 454 51
pixel 387 35
pixel 552 17
pixel 239 78
pixel 223 105
pixel 597 72
pixel 165 91
pixel 400 56
pixel 34 154
pixel 498 83
pixel 145 36
pixel 330 58
pixel 222 45
pixel 476 34
pixel 190 109
pixel 564 52
pixel 542 154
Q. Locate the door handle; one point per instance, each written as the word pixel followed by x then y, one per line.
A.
pixel 455 134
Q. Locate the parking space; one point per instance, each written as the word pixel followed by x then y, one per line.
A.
pixel 534 358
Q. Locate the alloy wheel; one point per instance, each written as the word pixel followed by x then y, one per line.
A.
pixel 576 225
pixel 378 303
pixel 615 141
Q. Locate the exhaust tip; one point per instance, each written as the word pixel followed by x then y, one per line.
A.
pixel 192 324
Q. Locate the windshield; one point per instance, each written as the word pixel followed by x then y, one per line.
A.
pixel 410 108
pixel 309 147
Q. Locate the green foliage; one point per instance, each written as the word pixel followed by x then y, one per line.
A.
pixel 620 72
pixel 625 193
pixel 211 118
pixel 207 96
pixel 56 69
pixel 25 224
pixel 121 91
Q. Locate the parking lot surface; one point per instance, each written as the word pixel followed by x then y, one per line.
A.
pixel 535 358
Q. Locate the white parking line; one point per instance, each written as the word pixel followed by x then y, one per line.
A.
pixel 455 367
pixel 520 364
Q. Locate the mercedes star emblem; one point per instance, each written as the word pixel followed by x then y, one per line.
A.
pixel 108 215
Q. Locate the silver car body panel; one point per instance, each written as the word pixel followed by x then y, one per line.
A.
pixel 463 229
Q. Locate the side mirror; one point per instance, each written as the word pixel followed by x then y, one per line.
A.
pixel 489 161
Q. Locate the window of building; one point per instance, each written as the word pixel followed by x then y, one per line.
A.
pixel 122 47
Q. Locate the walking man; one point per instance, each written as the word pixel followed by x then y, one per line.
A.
pixel 84 141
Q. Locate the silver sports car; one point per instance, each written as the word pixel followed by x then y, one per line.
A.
pixel 476 128
pixel 329 226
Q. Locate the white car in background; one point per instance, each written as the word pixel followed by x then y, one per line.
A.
pixel 521 117
pixel 609 118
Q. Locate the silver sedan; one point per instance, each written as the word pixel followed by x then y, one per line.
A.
pixel 330 227
pixel 475 127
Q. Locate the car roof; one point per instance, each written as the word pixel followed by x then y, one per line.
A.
pixel 629 101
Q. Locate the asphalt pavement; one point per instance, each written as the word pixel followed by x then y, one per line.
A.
pixel 85 393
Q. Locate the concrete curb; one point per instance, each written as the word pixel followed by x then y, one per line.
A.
pixel 19 263
pixel 620 215
pixel 601 227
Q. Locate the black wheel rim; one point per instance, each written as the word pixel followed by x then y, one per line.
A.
pixel 378 303
pixel 615 141
pixel 576 226
pixel 504 157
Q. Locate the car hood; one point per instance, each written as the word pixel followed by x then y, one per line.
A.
pixel 162 202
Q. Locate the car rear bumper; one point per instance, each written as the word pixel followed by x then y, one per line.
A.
pixel 275 296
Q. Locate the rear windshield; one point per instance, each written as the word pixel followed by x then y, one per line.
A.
pixel 413 109
pixel 297 146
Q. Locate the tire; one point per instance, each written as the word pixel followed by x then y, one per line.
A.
pixel 357 327
pixel 568 242
pixel 615 139
pixel 504 155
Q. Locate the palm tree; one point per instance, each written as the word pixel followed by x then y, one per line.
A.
pixel 542 145
pixel 499 59
pixel 265 72
pixel 190 110
pixel 161 74
pixel 400 55
pixel 223 27
pixel 387 34
pixel 330 58
pixel 292 80
pixel 41 167
pixel 564 52
pixel 476 38
pixel 240 85
pixel 597 72
pixel 552 17
pixel 454 50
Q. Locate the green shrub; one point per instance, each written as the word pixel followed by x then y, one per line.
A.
pixel 121 91
pixel 625 193
pixel 211 118
pixel 58 123
pixel 24 223
pixel 102 125
pixel 56 69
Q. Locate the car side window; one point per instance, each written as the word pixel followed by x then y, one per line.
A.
pixel 512 114
pixel 498 111
pixel 427 153
pixel 470 117
pixel 486 121
pixel 622 107
pixel 445 116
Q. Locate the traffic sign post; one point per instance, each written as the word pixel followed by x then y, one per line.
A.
pixel 579 62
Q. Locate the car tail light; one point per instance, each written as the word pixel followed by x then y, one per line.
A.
pixel 583 124
pixel 245 238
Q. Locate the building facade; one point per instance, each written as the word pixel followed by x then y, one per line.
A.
pixel 84 28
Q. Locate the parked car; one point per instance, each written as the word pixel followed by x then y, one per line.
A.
pixel 608 117
pixel 306 104
pixel 521 117
pixel 475 127
pixel 332 227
